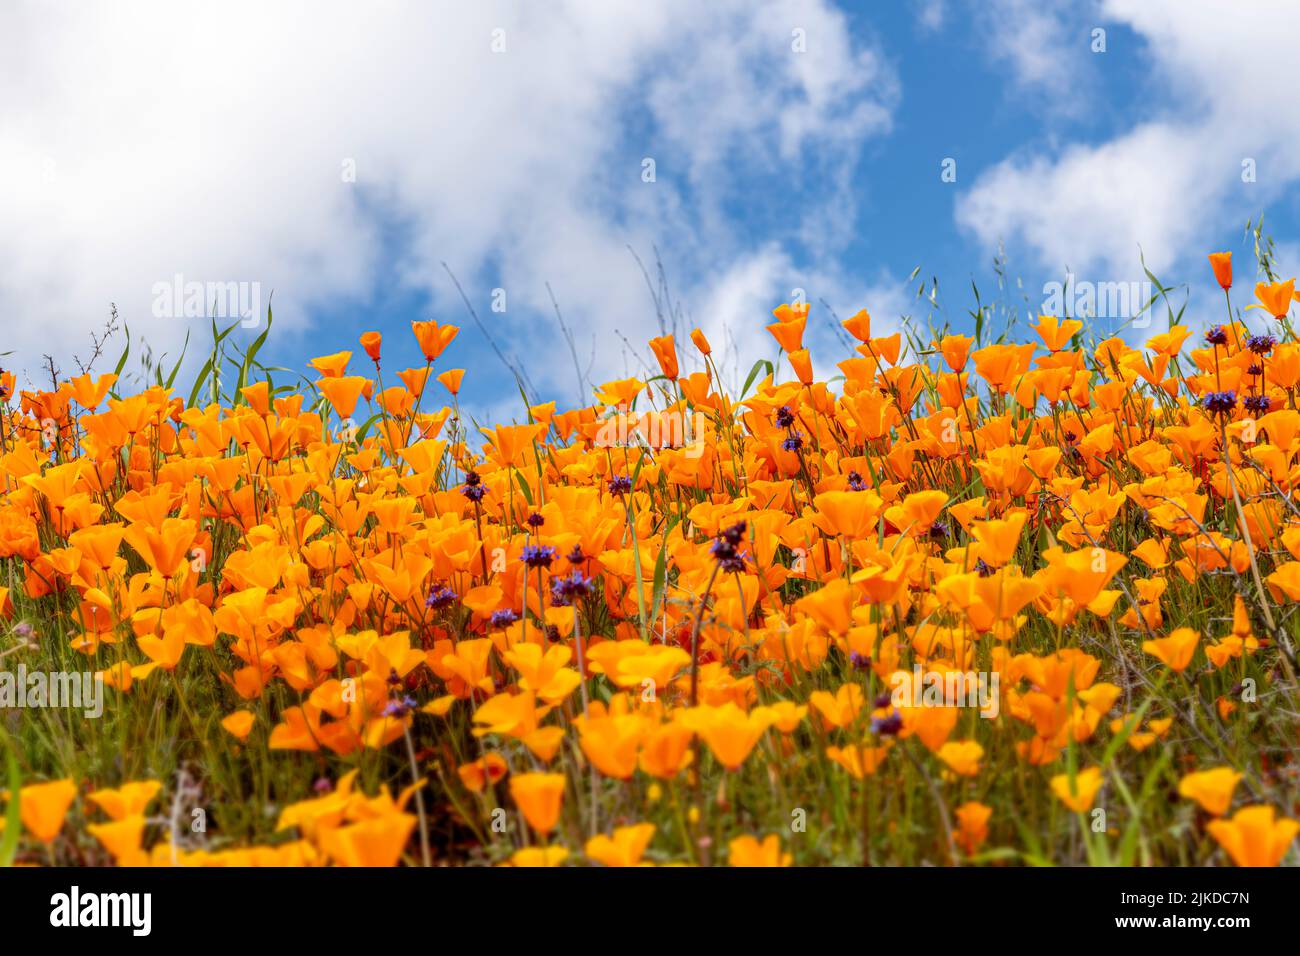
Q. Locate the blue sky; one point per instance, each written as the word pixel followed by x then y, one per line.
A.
pixel 797 145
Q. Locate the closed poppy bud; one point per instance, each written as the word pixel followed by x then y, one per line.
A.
pixel 802 365
pixel 371 341
pixel 665 350
pixel 451 379
pixel 1221 263
pixel 701 343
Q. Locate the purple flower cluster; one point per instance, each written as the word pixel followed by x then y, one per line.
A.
pixel 726 549
pixel 537 555
pixel 473 488
pixel 399 708
pixel 1261 344
pixel 887 726
pixel 566 590
pixel 1219 403
pixel 1257 404
pixel 440 597
pixel 504 618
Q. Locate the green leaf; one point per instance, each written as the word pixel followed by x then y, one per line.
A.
pixel 753 374
pixel 199 382
pixel 13 824
pixel 365 427
pixel 171 379
pixel 523 487
pixel 249 358
pixel 660 583
pixel 126 351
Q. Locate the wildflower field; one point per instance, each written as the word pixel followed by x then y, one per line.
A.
pixel 968 602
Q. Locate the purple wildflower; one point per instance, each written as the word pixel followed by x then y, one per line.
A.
pixel 537 555
pixel 1220 403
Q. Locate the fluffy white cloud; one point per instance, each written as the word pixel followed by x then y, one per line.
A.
pixel 141 141
pixel 1039 40
pixel 930 14
pixel 1223 80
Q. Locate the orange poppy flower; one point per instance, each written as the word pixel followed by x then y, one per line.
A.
pixel 1221 263
pixel 451 379
pixel 665 350
pixel 42 807
pixel 1212 789
pixel 434 338
pixel 539 796
pixel 1255 836
pixel 1274 298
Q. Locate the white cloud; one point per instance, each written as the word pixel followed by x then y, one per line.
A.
pixel 930 14
pixel 1090 207
pixel 1171 180
pixel 145 140
pixel 1041 41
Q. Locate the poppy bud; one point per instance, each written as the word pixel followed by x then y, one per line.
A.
pixel 801 362
pixel 701 343
pixel 665 351
pixel 1221 263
